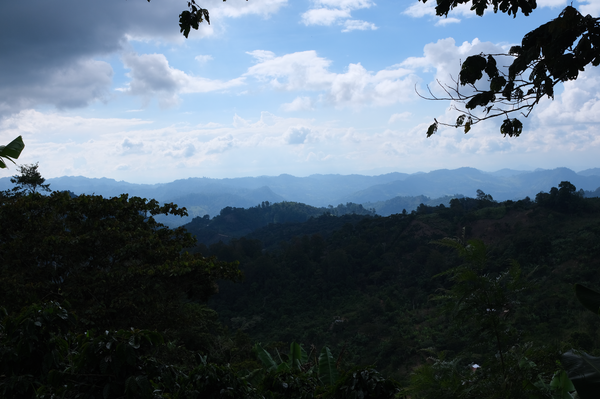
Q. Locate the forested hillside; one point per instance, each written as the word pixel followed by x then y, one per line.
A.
pixel 366 286
pixel 237 222
pixel 470 300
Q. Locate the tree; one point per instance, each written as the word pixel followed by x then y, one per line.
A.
pixel 42 356
pixel 566 198
pixel 555 52
pixel 110 260
pixel 11 151
pixel 484 303
pixel 29 180
pixel 481 196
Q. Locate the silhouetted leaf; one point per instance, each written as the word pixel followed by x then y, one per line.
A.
pixel 432 129
pixel 589 298
pixel 472 69
pixel 584 372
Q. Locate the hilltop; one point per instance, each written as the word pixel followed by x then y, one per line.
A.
pixel 387 194
pixel 364 284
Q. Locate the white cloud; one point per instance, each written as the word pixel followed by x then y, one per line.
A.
pixel 203 59
pixel 209 125
pixel 447 21
pixel 552 3
pixel 579 103
pixel 568 123
pixel 219 144
pixel 353 24
pixel 444 58
pixel 238 121
pixel 152 76
pixel 298 104
pixel 302 71
pixel 349 4
pixel 236 9
pixel 296 135
pixel 591 7
pixel 272 145
pixel 357 87
pixel 324 16
pixel 130 147
pixel 182 149
pixel 261 55
pixel 420 10
pixel 337 12
pixel 31 123
pixel 398 117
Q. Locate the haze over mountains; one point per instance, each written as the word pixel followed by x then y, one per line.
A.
pixel 208 196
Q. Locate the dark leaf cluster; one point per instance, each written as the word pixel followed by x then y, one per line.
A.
pixel 555 52
pixel 509 7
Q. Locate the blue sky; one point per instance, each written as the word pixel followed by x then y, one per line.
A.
pixel 112 89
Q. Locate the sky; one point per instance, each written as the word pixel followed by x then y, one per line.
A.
pixel 112 89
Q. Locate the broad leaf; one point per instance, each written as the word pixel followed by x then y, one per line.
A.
pixel 491 69
pixel 481 99
pixel 584 372
pixel 298 356
pixel 265 357
pixel 327 371
pixel 472 69
pixel 588 298
pixel 11 151
pixel 511 127
pixel 562 385
pixel 497 84
pixel 432 129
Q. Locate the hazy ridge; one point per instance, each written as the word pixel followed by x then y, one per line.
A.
pixel 206 196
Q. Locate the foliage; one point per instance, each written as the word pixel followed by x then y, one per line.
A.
pixel 584 373
pixel 565 198
pixel 480 300
pixel 324 367
pixel 11 151
pixel 328 372
pixel 399 204
pixel 192 17
pixel 483 304
pixel 443 7
pixel 76 274
pixel 40 356
pixel 296 359
pixel 236 222
pixel 80 275
pixel 299 377
pixel 29 180
pixel 365 383
pixel 362 285
pixel 109 258
pixel 584 370
pixel 555 52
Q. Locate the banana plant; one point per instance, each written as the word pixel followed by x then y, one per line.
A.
pixel 297 360
pixel 328 373
pixel 11 151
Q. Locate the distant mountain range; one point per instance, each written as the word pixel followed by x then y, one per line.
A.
pixel 203 196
